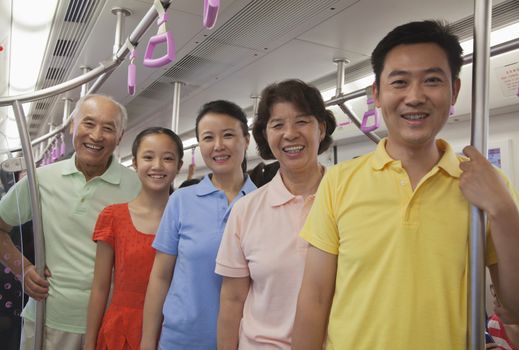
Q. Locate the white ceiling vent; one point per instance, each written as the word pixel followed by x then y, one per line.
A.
pixel 262 22
pixel 248 34
pixel 254 27
pixel 72 22
pixel 503 14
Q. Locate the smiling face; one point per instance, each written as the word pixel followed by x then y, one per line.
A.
pixel 157 162
pixel 222 143
pixel 96 135
pixel 294 137
pixel 415 94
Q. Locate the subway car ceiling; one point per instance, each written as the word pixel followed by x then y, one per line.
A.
pixel 252 44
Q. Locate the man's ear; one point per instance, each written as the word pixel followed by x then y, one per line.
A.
pixel 180 163
pixel 374 90
pixel 120 138
pixel 456 86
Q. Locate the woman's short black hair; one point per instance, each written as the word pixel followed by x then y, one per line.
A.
pixel 305 97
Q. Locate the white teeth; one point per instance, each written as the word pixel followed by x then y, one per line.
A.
pixel 293 149
pixel 415 116
pixel 221 158
pixel 157 176
pixel 94 147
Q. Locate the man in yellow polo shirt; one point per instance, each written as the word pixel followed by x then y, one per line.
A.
pixel 387 267
pixel 73 192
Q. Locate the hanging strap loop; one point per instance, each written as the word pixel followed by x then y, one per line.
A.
pixel 163 36
pixel 370 113
pixel 210 13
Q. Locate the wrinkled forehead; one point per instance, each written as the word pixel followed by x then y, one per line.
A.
pixel 101 109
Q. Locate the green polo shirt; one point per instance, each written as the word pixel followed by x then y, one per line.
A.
pixel 70 207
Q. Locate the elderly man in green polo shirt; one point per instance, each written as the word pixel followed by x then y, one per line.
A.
pixel 73 192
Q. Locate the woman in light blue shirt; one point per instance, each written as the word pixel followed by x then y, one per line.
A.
pixel 184 292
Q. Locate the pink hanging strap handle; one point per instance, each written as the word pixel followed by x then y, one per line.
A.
pixel 163 36
pixel 210 13
pixel 193 156
pixel 132 73
pixel 371 112
pixel 151 62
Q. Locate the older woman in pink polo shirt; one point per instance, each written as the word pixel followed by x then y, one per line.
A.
pixel 261 255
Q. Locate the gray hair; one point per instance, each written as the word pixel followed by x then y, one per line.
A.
pixel 123 114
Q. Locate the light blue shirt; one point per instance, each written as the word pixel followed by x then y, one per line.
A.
pixel 191 228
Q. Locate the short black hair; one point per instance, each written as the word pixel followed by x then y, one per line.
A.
pixel 158 130
pixel 305 97
pixel 263 173
pixel 189 182
pixel 429 31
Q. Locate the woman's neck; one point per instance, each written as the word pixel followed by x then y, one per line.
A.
pixel 230 184
pixel 303 183
pixel 146 210
pixel 151 200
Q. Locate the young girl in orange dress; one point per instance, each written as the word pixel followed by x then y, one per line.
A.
pixel 124 233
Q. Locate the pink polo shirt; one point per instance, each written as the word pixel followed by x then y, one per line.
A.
pixel 261 240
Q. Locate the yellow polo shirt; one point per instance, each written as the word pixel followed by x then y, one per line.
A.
pixel 402 254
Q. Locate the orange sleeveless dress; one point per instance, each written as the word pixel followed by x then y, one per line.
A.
pixel 122 323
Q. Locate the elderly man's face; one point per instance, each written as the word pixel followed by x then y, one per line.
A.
pixel 96 135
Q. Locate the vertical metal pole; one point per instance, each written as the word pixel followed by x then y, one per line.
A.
pixel 479 133
pixel 85 86
pixel 175 113
pixel 67 107
pixel 341 78
pixel 341 74
pixel 255 103
pixel 120 13
pixel 37 223
pixel 41 147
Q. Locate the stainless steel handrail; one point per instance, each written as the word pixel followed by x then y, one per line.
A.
pixel 342 98
pixel 37 222
pixel 479 135
pixel 102 72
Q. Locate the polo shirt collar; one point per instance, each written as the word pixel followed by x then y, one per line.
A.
pixel 112 175
pixel 380 157
pixel 278 194
pixel 448 162
pixel 206 186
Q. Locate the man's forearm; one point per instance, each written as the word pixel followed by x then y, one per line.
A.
pixel 505 235
pixel 11 257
